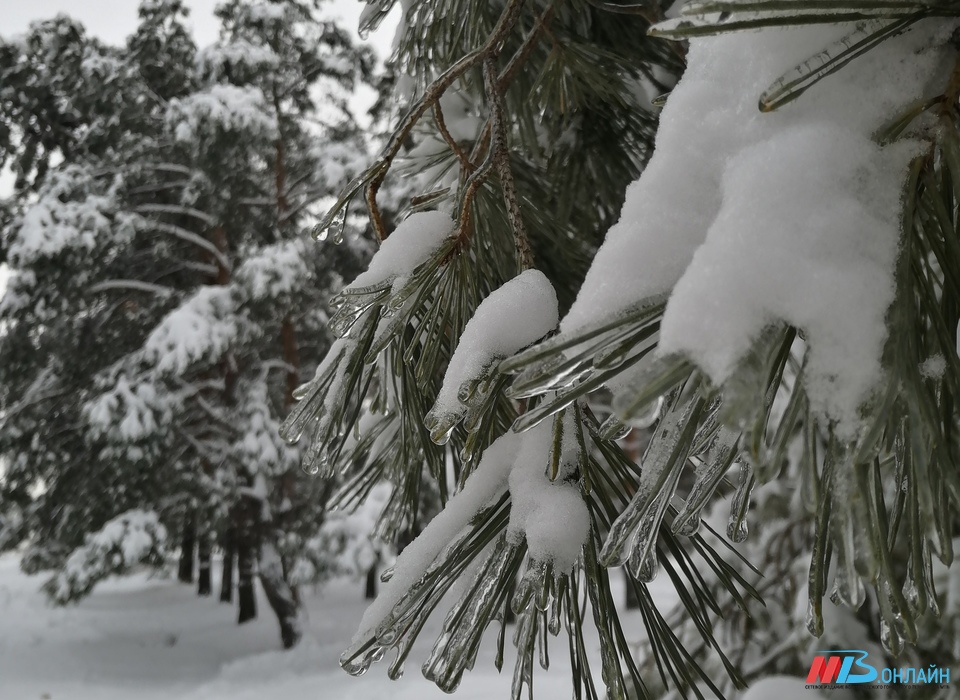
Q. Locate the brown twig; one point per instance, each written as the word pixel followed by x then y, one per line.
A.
pixel 464 159
pixel 501 157
pixel 433 92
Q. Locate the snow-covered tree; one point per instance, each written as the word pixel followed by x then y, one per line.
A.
pixel 163 301
pixel 776 298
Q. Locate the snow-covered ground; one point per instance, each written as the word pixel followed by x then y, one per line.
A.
pixel 142 638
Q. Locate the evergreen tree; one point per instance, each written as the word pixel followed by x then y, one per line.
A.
pixel 163 303
pixel 776 300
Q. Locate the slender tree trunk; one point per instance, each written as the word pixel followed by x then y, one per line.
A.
pixel 246 566
pixel 204 586
pixel 187 545
pixel 226 576
pixel 370 591
pixel 281 596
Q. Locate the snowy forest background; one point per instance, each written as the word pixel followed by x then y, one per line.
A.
pixel 612 346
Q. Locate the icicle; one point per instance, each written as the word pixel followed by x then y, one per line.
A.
pixel 890 636
pixel 820 556
pixel 737 529
pixel 464 625
pixel 663 463
pixel 331 226
pixel 848 589
pixel 441 425
pixel 613 429
pixel 609 661
pixel 524 639
pixel 721 456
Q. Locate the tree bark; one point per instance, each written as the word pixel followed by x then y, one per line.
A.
pixel 187 545
pixel 204 586
pixel 246 566
pixel 371 587
pixel 280 595
pixel 226 576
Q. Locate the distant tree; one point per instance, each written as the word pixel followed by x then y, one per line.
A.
pixel 164 303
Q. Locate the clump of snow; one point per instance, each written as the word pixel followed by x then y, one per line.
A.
pixel 261 450
pixel 224 107
pixel 267 11
pixel 213 60
pixel 274 270
pixel 203 327
pixel 411 243
pixel 69 214
pixel 129 411
pixel 751 218
pixel 933 367
pixel 517 314
pixel 130 539
pixel 551 515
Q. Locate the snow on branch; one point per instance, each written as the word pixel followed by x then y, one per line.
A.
pixel 71 213
pixel 274 270
pixel 131 539
pixel 222 107
pixel 202 328
pixel 410 244
pixel 752 219
pixel 517 314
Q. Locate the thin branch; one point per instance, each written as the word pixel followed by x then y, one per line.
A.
pixel 176 209
pixel 464 159
pixel 158 289
pixel 433 92
pixel 526 48
pixel 190 237
pixel 502 160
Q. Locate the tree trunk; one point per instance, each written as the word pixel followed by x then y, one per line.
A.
pixel 226 576
pixel 280 595
pixel 246 564
pixel 371 588
pixel 187 545
pixel 204 587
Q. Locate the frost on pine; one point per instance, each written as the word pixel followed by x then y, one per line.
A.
pixel 751 219
pixel 202 328
pixel 131 539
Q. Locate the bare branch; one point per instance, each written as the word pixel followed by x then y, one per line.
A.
pixel 188 236
pixel 137 285
pixel 176 209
